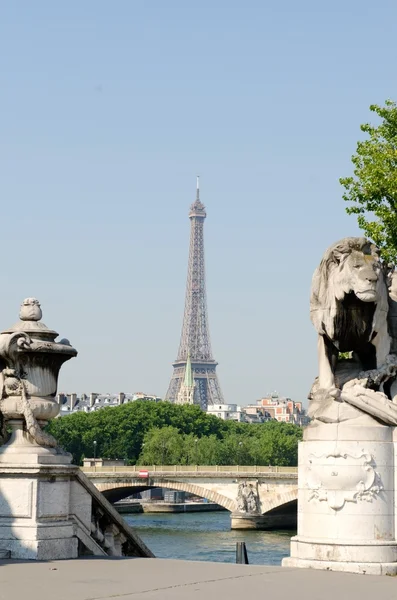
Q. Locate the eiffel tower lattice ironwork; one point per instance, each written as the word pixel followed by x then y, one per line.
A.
pixel 195 339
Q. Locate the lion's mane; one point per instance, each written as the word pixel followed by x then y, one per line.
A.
pixel 328 290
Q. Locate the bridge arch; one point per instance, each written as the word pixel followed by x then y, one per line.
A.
pixel 278 501
pixel 119 490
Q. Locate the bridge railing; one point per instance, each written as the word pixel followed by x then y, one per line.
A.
pixel 190 469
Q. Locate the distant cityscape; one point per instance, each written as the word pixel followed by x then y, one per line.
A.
pixel 269 408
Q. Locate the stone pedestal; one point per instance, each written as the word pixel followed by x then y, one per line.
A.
pixel 35 503
pixel 346 501
pixel 263 522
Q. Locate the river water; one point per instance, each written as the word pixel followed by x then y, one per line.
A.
pixel 207 536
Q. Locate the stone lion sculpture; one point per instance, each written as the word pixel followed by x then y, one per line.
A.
pixel 349 308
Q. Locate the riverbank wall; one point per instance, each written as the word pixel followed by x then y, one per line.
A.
pixel 165 507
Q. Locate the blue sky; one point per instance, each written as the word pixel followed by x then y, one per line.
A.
pixel 108 110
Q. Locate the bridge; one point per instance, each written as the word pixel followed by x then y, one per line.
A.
pixel 257 497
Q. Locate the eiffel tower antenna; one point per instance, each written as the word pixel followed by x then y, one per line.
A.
pixel 195 338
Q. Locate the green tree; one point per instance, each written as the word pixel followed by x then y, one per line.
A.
pixel 70 432
pixel 372 190
pixel 162 447
pixel 208 450
pixel 278 449
pixel 235 450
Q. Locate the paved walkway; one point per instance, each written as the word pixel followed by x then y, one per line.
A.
pixel 157 579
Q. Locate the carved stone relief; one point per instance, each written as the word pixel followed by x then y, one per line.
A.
pixel 341 477
pixel 248 498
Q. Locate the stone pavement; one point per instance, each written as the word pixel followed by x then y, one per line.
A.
pixel 158 579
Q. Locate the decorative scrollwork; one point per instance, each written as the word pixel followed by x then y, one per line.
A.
pixel 340 477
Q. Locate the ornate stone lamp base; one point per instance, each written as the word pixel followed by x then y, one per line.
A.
pixel 346 502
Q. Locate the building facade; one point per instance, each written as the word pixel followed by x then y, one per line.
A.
pixel 227 412
pixel 275 407
pixel 72 403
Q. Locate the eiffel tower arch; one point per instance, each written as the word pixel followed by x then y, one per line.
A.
pixel 195 338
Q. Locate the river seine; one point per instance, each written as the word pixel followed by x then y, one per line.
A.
pixel 207 536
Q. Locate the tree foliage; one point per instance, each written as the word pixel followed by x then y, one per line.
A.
pixel 165 433
pixel 372 190
pixel 162 446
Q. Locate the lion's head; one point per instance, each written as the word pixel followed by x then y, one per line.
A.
pixel 352 265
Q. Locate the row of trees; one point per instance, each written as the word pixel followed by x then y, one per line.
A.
pixel 271 443
pixel 164 433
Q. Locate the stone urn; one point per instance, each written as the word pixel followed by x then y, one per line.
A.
pixel 30 361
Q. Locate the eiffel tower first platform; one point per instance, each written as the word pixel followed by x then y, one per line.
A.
pixel 195 342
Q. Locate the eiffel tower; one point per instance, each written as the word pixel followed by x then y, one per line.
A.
pixel 195 339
